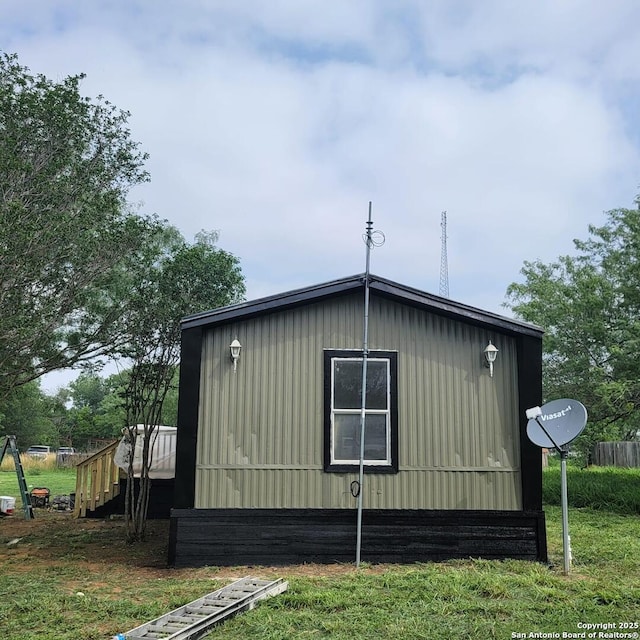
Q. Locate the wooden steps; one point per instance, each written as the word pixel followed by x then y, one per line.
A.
pixel 97 480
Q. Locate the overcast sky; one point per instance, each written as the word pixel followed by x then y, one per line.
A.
pixel 277 122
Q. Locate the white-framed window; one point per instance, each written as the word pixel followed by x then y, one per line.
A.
pixel 343 411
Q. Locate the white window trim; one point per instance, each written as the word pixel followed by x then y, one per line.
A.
pixel 387 462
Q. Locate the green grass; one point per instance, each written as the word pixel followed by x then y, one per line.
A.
pixel 82 594
pixel 604 488
pixel 467 599
pixel 58 481
pixel 69 579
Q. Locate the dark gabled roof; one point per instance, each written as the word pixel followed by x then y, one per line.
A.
pixel 377 285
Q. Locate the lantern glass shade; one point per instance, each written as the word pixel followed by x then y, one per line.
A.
pixel 235 348
pixel 490 353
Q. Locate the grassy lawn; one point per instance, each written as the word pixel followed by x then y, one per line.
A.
pixel 67 579
pixel 468 599
pixel 37 474
pixel 604 488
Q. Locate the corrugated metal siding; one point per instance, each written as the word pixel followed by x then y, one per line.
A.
pixel 260 441
pixel 259 487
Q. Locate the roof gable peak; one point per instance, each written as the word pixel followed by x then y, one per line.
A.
pixel 378 285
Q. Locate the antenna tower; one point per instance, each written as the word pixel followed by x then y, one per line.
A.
pixel 372 239
pixel 444 262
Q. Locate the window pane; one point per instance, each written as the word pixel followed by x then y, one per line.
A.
pixel 346 430
pixel 347 384
pixel 375 438
pixel 347 381
pixel 377 381
pixel 346 444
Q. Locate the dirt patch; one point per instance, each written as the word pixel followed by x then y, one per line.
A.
pixel 53 539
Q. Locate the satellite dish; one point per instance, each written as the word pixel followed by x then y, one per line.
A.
pixel 553 425
pixel 563 420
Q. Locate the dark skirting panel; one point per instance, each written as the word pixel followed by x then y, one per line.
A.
pixel 160 500
pixel 228 537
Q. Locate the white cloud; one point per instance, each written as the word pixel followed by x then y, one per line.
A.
pixel 277 122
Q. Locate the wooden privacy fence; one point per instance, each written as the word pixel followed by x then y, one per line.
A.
pixel 97 480
pixel 617 454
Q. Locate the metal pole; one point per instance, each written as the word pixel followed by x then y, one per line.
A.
pixel 566 540
pixel 363 405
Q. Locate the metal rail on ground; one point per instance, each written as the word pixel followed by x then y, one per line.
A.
pixel 195 619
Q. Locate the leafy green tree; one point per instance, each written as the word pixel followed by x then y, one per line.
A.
pixel 26 414
pixel 80 422
pixel 589 307
pixel 169 413
pixel 111 416
pixel 111 413
pixel 93 408
pixel 88 390
pixel 81 427
pixel 57 410
pixel 69 245
pixel 188 279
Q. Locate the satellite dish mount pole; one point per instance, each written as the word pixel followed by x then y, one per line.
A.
pixel 564 499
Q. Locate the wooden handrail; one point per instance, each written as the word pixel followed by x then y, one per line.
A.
pixel 97 480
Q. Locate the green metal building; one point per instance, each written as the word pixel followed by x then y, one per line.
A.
pixel 268 441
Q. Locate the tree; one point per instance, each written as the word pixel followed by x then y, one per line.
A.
pixel 82 420
pixel 88 390
pixel 69 244
pixel 187 279
pixel 26 413
pixel 111 417
pixel 589 306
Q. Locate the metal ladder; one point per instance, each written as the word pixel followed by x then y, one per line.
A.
pixel 10 443
pixel 193 620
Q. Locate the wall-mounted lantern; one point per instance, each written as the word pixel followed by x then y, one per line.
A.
pixel 234 348
pixel 490 354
